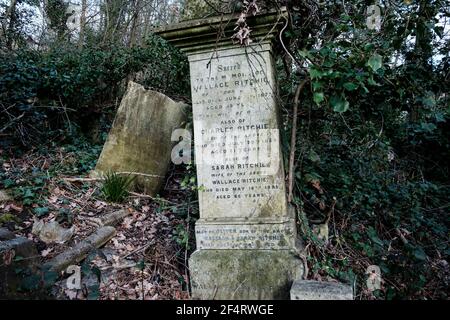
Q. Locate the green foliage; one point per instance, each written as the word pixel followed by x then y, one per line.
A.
pixel 374 135
pixel 43 90
pixel 41 211
pixel 182 236
pixel 29 184
pixel 115 186
pixel 56 11
pixel 6 218
pixel 64 215
pixel 89 270
pixel 189 181
pixel 33 283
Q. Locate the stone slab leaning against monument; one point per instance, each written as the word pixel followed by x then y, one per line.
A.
pixel 139 142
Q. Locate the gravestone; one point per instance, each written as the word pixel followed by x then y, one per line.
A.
pixel 140 140
pixel 246 239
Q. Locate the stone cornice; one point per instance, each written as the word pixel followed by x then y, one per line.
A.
pixel 203 35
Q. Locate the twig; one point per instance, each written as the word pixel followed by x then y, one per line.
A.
pixel 140 174
pixel 294 138
pixel 146 196
pixel 138 250
pixel 402 237
pixel 65 113
pixel 186 273
pixel 81 179
pixel 282 43
pixel 11 122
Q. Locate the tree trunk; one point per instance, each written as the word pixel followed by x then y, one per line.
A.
pixel 11 13
pixel 134 22
pixel 146 22
pixel 82 23
pixel 424 37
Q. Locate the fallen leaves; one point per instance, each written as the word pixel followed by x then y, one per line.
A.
pixel 143 260
pixel 45 252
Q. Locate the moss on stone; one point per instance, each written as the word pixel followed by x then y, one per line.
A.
pixel 250 274
pixel 140 139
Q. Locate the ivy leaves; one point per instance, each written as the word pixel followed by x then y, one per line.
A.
pixel 339 104
pixel 375 62
pixel 337 76
pixel 318 97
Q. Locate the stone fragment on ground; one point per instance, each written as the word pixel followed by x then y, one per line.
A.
pixel 4 196
pixel 318 290
pixel 51 232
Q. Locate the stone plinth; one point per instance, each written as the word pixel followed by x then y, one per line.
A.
pixel 246 234
pixel 243 274
pixel 317 290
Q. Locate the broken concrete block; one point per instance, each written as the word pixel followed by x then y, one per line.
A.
pixel 317 290
pixel 139 142
pixel 51 232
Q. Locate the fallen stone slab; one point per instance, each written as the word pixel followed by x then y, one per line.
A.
pixel 140 143
pixel 80 251
pixel 318 290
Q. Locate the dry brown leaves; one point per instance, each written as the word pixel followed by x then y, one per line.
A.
pixel 142 260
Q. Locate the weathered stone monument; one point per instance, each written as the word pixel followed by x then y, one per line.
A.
pixel 246 235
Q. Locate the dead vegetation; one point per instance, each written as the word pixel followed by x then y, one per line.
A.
pixel 144 260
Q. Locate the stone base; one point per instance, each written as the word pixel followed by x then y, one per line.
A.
pixel 244 274
pixel 317 290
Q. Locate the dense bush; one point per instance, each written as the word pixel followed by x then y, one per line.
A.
pixel 373 144
pixel 39 89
